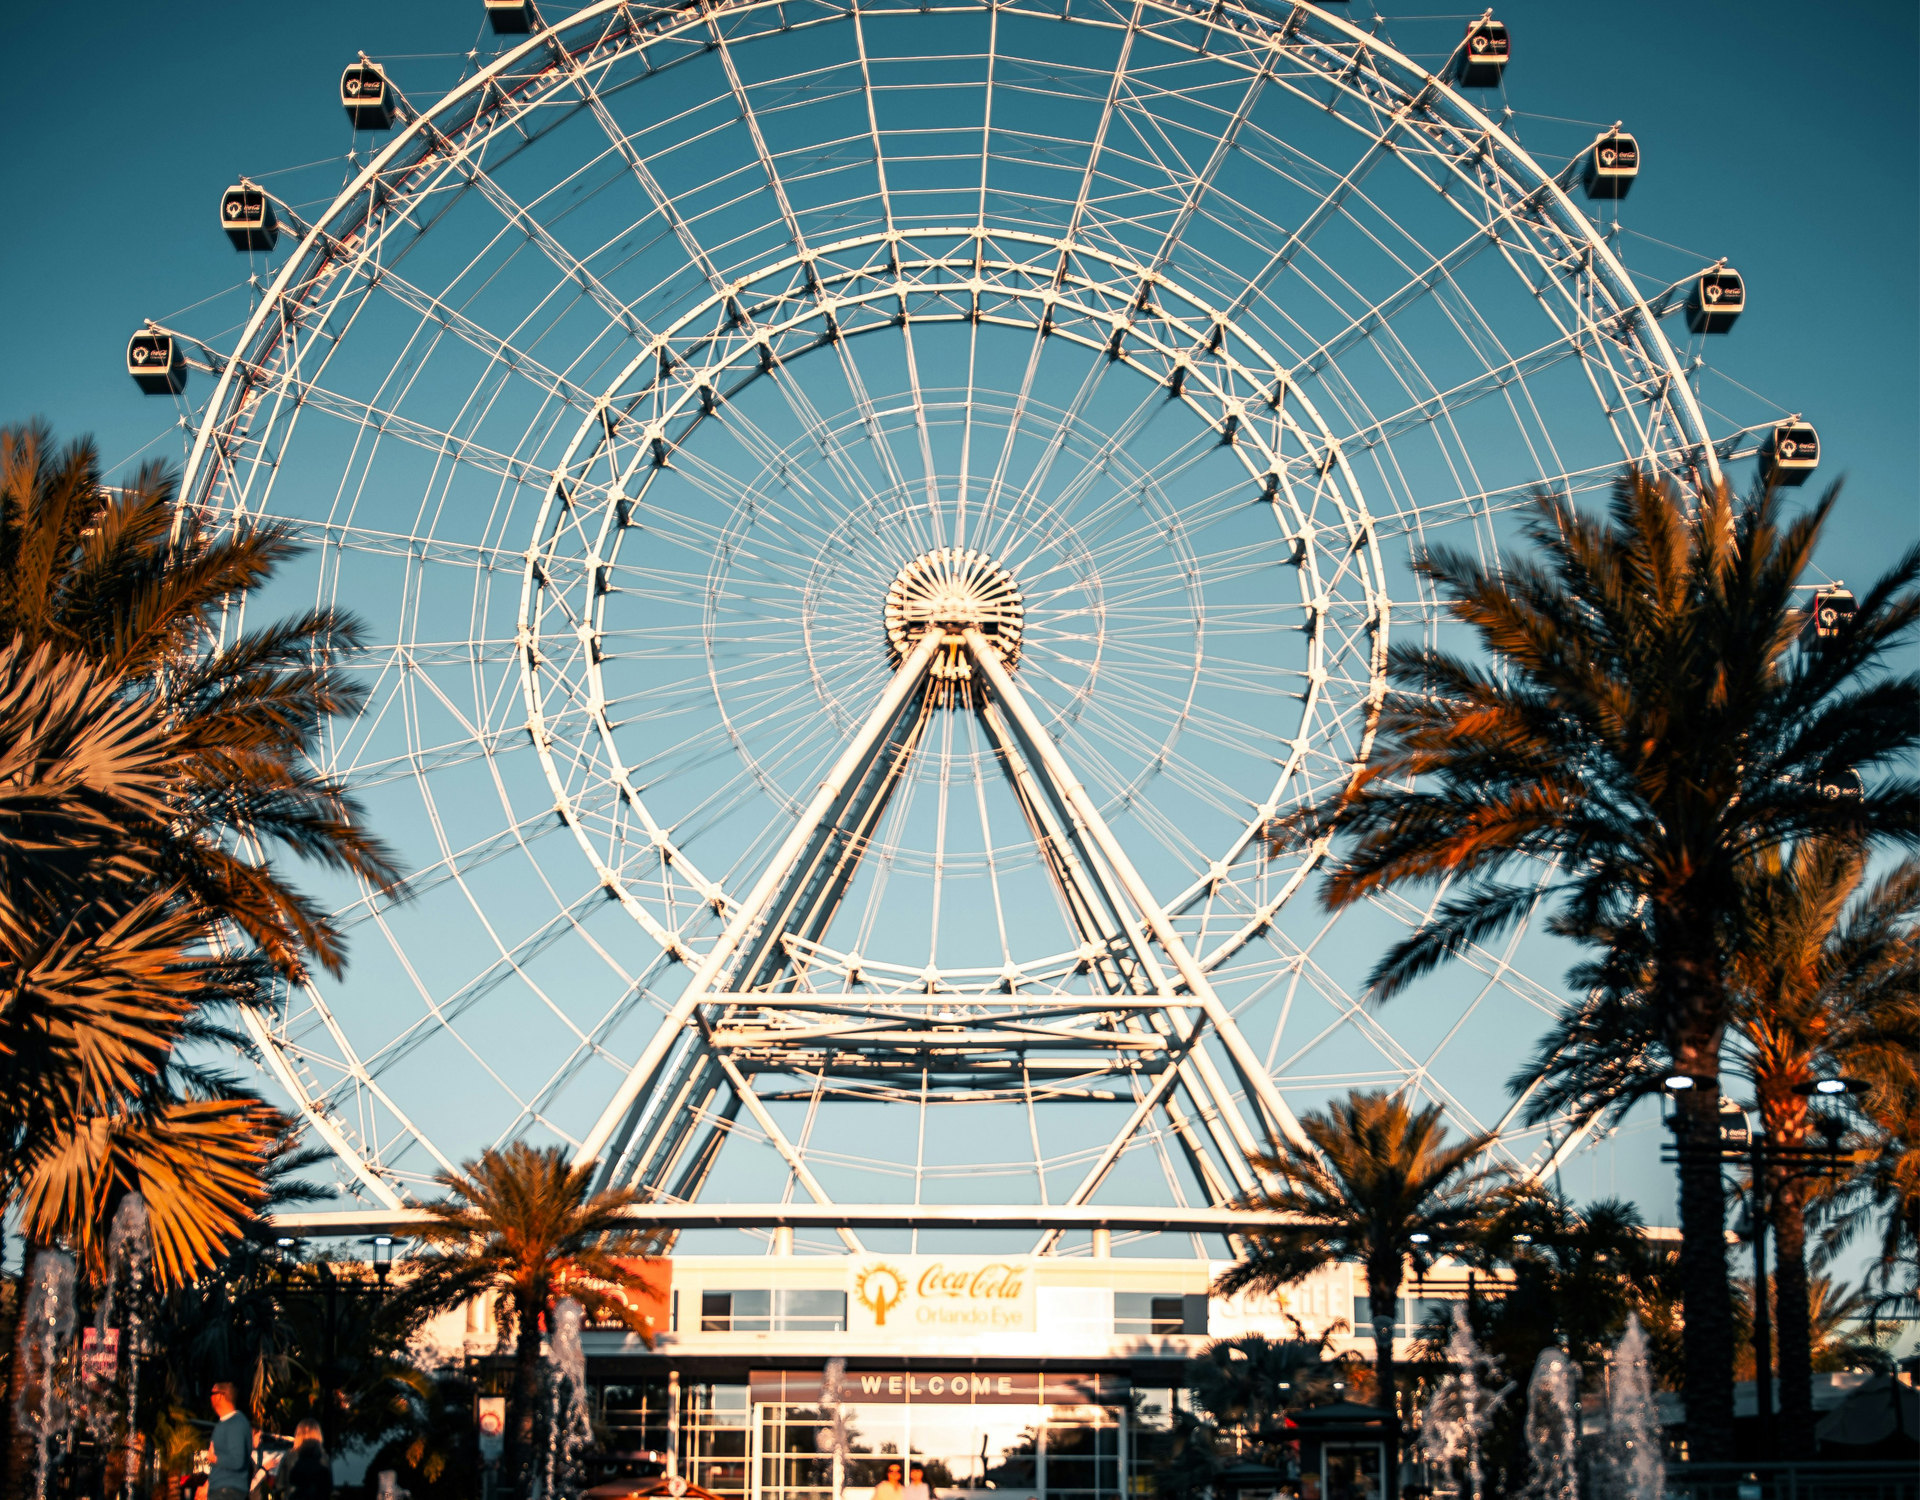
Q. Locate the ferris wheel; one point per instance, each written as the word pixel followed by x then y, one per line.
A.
pixel 870 513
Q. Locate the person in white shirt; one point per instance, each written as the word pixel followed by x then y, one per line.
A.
pixel 917 1486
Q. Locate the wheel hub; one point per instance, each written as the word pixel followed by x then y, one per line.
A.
pixel 948 590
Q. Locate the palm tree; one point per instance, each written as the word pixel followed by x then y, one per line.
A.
pixel 1377 1184
pixel 1248 1385
pixel 1825 978
pixel 1642 720
pixel 101 977
pixel 1840 1321
pixel 1575 1275
pixel 1823 981
pixel 527 1228
pixel 1883 1196
pixel 148 755
pixel 129 583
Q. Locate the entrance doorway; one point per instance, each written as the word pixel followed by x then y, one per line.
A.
pixel 984 1452
pixel 1354 1471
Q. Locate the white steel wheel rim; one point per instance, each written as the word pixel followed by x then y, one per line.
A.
pixel 1221 357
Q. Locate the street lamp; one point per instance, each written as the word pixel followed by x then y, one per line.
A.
pixel 1420 1237
pixel 382 1256
pixel 1827 1087
pixel 1767 1161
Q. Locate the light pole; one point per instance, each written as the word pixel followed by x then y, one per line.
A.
pixel 1766 1165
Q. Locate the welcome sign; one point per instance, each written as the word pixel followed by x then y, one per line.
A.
pixel 904 1296
pixel 941 1388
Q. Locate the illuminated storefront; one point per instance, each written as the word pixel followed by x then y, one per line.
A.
pixel 1055 1378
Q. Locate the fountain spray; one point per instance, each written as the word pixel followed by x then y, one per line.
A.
pixel 44 1410
pixel 1455 1422
pixel 569 1428
pixel 1553 1427
pixel 1631 1466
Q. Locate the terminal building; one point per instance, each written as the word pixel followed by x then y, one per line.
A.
pixel 1055 1377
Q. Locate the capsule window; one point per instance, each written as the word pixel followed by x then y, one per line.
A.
pixel 1611 165
pixel 1715 299
pixel 510 17
pixel 156 363
pixel 366 98
pixel 246 214
pixel 1791 453
pixel 1483 57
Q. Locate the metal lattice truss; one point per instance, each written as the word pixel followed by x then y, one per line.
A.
pixel 754 1007
pixel 780 447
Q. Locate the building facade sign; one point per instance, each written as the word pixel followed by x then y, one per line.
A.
pixel 941 1388
pixel 904 1295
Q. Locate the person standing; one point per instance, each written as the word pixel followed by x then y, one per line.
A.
pixel 917 1486
pixel 890 1488
pixel 232 1447
pixel 305 1473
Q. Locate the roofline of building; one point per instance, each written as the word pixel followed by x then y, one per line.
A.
pixel 400 1222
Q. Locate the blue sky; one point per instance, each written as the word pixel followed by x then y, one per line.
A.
pixel 1785 144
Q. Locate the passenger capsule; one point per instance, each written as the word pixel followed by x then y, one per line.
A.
pixel 1612 163
pixel 157 364
pixel 1830 613
pixel 365 96
pixel 246 214
pixel 1790 453
pixel 1714 300
pixel 1484 57
pixel 1844 786
pixel 510 17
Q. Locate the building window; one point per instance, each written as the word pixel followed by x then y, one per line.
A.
pixel 1409 1318
pixel 809 1310
pixel 635 1416
pixel 787 1310
pixel 1149 1314
pixel 736 1312
pixel 714 1437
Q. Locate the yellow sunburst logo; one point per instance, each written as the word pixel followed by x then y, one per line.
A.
pixel 879 1288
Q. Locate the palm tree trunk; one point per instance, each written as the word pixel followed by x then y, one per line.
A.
pixel 1707 1337
pixel 1793 1320
pixel 1688 963
pixel 521 1422
pixel 1383 1302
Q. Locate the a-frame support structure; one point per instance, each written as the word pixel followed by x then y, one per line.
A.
pixel 751 1027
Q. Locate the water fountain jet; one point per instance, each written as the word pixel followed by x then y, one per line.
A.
pixel 1553 1427
pixel 44 1409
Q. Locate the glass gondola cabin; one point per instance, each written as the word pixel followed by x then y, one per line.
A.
pixel 1790 453
pixel 510 17
pixel 365 96
pixel 1715 300
pixel 246 214
pixel 1611 165
pixel 1830 613
pixel 1483 58
pixel 157 364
